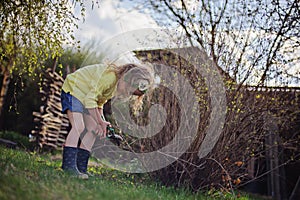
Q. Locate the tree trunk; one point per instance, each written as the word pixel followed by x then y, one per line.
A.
pixel 4 89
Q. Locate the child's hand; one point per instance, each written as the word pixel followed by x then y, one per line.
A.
pixel 102 126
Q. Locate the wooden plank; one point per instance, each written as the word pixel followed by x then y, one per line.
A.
pixel 8 143
pixel 51 145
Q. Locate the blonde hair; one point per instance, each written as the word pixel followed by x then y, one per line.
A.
pixel 134 73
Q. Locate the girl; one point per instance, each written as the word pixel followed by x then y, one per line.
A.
pixel 83 95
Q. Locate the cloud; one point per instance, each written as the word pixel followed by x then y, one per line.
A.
pixel 110 18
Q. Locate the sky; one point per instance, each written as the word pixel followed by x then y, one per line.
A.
pixel 113 18
pixel 109 18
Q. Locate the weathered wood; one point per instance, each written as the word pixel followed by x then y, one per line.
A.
pixel 51 125
pixel 274 184
pixel 8 143
pixel 54 107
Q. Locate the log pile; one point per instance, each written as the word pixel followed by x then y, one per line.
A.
pixel 51 126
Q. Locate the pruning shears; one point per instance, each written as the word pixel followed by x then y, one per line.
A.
pixel 111 134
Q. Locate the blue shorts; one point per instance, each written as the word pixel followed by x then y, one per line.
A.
pixel 69 102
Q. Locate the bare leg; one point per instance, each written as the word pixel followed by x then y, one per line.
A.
pixel 77 122
pixel 89 138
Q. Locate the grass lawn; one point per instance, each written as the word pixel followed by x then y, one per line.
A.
pixel 25 175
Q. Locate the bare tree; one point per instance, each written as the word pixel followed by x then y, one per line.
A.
pixel 254 42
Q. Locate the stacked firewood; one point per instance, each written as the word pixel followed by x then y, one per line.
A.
pixel 51 126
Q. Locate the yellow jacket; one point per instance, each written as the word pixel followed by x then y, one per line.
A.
pixel 93 85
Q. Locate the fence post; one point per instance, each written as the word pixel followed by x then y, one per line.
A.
pixel 272 155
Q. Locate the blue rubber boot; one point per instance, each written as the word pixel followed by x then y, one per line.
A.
pixel 82 160
pixel 69 162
